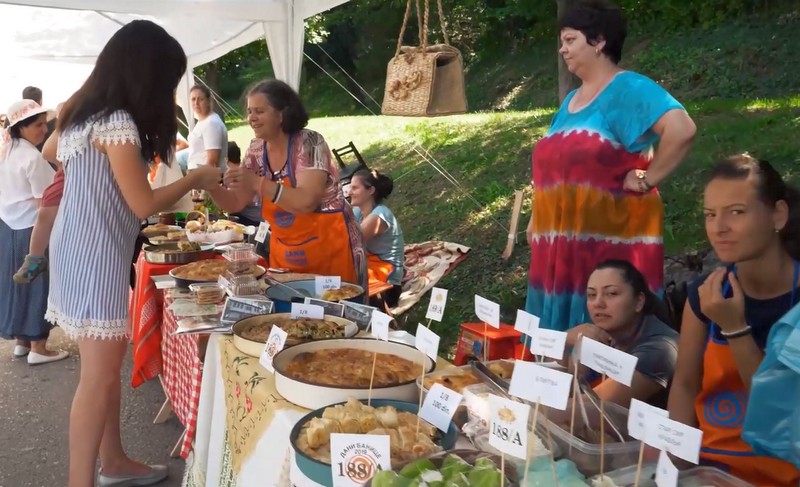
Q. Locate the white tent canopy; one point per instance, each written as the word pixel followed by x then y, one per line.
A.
pixel 53 44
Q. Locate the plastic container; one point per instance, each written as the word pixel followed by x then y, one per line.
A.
pixel 240 285
pixel 586 455
pixel 207 293
pixel 694 477
pixel 243 266
pixel 240 251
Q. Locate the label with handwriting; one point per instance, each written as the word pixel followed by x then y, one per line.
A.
pixel 540 384
pixel 673 437
pixel 548 343
pixel 603 359
pixel 439 407
pixel 307 311
pixel 638 415
pixel 427 342
pixel 323 283
pixel 526 323
pixel 487 311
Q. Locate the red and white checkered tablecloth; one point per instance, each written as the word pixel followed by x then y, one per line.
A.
pixel 181 374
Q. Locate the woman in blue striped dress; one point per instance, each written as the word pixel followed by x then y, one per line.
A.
pixel 121 117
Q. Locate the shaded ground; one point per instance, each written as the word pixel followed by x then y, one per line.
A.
pixel 34 410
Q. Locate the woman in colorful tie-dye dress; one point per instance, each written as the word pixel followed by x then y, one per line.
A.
pixel 595 172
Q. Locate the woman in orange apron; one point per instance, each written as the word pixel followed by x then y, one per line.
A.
pixel 751 221
pixel 313 229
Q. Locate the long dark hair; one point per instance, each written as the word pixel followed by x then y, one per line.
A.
pixel 137 71
pixel 635 279
pixel 770 187
pixel 382 183
pixel 15 132
pixel 283 98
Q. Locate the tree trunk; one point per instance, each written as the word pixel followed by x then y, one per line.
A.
pixel 566 80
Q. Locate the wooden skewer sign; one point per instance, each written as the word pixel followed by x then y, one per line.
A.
pixel 379 328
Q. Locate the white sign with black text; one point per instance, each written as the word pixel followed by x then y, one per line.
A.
pixel 323 283
pixel 307 311
pixel 330 309
pixel 355 459
pixel 487 311
pixel 638 415
pixel 548 343
pixel 526 323
pixel 674 437
pixel 508 426
pixel 439 407
pixel 427 342
pixel 275 342
pixel 379 325
pixel 603 359
pixel 437 304
pixel 666 472
pixel 540 384
pixel 261 234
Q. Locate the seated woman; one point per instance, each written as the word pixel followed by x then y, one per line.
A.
pixel 752 221
pixel 627 316
pixel 383 237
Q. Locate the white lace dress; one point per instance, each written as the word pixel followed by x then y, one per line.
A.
pixel 94 235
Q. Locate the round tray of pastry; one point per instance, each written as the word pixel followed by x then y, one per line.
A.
pixel 207 270
pixel 250 334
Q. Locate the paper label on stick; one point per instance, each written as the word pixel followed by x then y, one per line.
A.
pixel 673 437
pixel 379 325
pixel 439 407
pixel 330 309
pixel 261 234
pixel 355 459
pixel 549 343
pixel 540 384
pixel 437 304
pixel 487 311
pixel 323 283
pixel 508 426
pixel 638 416
pixel 666 472
pixel 427 342
pixel 526 323
pixel 275 342
pixel 603 359
pixel 307 311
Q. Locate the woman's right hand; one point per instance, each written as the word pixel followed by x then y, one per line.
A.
pixel 205 177
pixel 590 331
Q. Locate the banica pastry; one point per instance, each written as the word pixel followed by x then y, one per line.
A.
pixel 348 367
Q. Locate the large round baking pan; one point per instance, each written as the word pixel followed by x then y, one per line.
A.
pixel 254 348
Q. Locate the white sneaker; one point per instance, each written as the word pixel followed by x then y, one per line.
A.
pixel 156 475
pixel 39 359
pixel 21 351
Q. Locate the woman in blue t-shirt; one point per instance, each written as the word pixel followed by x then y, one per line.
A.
pixel 382 234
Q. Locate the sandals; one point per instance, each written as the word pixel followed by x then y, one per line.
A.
pixel 31 268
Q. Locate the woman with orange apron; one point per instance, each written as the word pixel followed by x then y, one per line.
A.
pixel 313 229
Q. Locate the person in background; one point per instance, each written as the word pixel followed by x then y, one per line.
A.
pixel 3 120
pixel 752 220
pixel 208 140
pixel 182 152
pixel 35 94
pixel 291 169
pixel 626 315
pixel 595 173
pixel 383 237
pixel 24 175
pixel 122 116
pixel 251 215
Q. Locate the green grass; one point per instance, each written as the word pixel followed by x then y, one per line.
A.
pixel 489 154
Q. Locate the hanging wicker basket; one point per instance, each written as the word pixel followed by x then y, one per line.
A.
pixel 424 80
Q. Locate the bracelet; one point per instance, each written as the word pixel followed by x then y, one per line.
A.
pixel 747 330
pixel 278 195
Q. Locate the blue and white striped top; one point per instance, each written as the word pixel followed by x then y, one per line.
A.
pixel 93 240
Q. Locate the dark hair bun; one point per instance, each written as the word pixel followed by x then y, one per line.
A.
pixel 382 183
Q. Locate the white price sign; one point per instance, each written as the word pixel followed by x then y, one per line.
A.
pixel 307 311
pixel 427 342
pixel 508 426
pixel 356 458
pixel 261 234
pixel 330 309
pixel 666 472
pixel 379 325
pixel 437 304
pixel 323 283
pixel 548 343
pixel 674 437
pixel 603 359
pixel 526 323
pixel 540 384
pixel 275 342
pixel 638 415
pixel 487 311
pixel 440 406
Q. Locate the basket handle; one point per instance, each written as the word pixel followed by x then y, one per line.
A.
pixel 423 18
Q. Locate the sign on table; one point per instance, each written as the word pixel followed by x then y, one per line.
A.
pixel 427 342
pixel 540 384
pixel 261 234
pixel 440 406
pixel 548 343
pixel 379 325
pixel 508 426
pixel 666 472
pixel 603 359
pixel 330 309
pixel 638 415
pixel 526 323
pixel 323 283
pixel 275 342
pixel 238 308
pixel 437 304
pixel 361 314
pixel 356 458
pixel 673 437
pixel 307 311
pixel 487 311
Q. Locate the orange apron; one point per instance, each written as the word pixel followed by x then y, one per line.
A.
pixel 720 409
pixel 378 270
pixel 313 243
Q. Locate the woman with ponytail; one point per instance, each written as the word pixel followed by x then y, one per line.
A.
pixel 383 237
pixel 752 221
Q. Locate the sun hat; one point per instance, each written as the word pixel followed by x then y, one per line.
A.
pixel 23 109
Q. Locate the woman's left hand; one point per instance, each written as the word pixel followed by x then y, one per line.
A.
pixel 727 313
pixel 239 179
pixel 634 182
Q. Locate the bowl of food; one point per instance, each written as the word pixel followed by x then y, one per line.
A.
pixel 220 232
pixel 331 371
pixel 284 298
pixel 453 468
pixel 250 334
pixel 310 437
